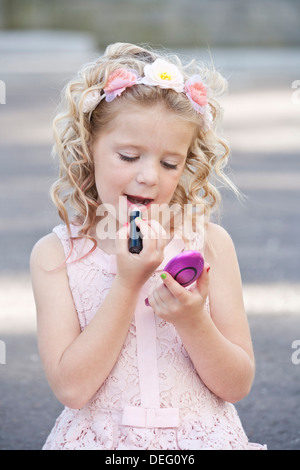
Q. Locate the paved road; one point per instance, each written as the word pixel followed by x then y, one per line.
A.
pixel 270 414
pixel 262 125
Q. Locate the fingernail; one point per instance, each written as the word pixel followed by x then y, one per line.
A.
pixel 163 276
pixel 126 224
pixel 208 269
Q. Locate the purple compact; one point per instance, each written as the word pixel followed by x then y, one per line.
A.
pixel 185 268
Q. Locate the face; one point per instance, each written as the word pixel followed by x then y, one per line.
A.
pixel 139 159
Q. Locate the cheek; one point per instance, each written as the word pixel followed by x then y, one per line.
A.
pixel 110 182
pixel 108 175
pixel 170 184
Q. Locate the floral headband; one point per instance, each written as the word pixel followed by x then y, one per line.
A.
pixel 160 73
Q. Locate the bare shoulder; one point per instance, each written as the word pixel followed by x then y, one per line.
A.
pixel 218 241
pixel 217 230
pixel 47 253
pixel 50 283
pixel 221 255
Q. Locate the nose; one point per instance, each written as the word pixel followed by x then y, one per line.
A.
pixel 148 173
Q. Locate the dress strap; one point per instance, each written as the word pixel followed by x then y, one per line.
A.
pixel 147 354
pixel 75 249
pixel 149 414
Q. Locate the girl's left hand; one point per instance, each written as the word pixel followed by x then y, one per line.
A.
pixel 178 305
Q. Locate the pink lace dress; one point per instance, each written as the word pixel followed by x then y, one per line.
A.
pixel 153 398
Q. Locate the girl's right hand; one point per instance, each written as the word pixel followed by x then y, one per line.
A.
pixel 133 270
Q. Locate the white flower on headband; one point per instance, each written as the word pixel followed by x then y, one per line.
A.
pixel 164 75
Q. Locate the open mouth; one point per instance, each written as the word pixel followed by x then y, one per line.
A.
pixel 137 200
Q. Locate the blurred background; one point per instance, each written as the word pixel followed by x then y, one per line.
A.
pixel 255 45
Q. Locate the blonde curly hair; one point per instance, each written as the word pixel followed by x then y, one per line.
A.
pixel 75 130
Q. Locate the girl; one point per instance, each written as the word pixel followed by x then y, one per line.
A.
pixel 136 126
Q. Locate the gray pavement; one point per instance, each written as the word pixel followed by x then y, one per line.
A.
pixel 262 126
pixel 269 414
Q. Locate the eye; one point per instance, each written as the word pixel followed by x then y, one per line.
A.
pixel 170 166
pixel 125 158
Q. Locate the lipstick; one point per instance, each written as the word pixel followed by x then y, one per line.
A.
pixel 135 240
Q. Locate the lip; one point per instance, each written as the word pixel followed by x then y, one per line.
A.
pixel 140 206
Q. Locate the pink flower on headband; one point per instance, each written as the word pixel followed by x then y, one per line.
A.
pixel 196 93
pixel 118 81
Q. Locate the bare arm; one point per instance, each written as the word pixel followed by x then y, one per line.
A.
pixel 77 363
pixel 219 344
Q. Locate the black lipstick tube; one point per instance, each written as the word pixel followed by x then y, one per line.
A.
pixel 135 240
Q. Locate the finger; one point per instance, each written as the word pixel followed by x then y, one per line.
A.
pixel 157 228
pixel 162 295
pixel 174 287
pixel 202 283
pixel 158 301
pixel 154 230
pixel 145 228
pixel 161 234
